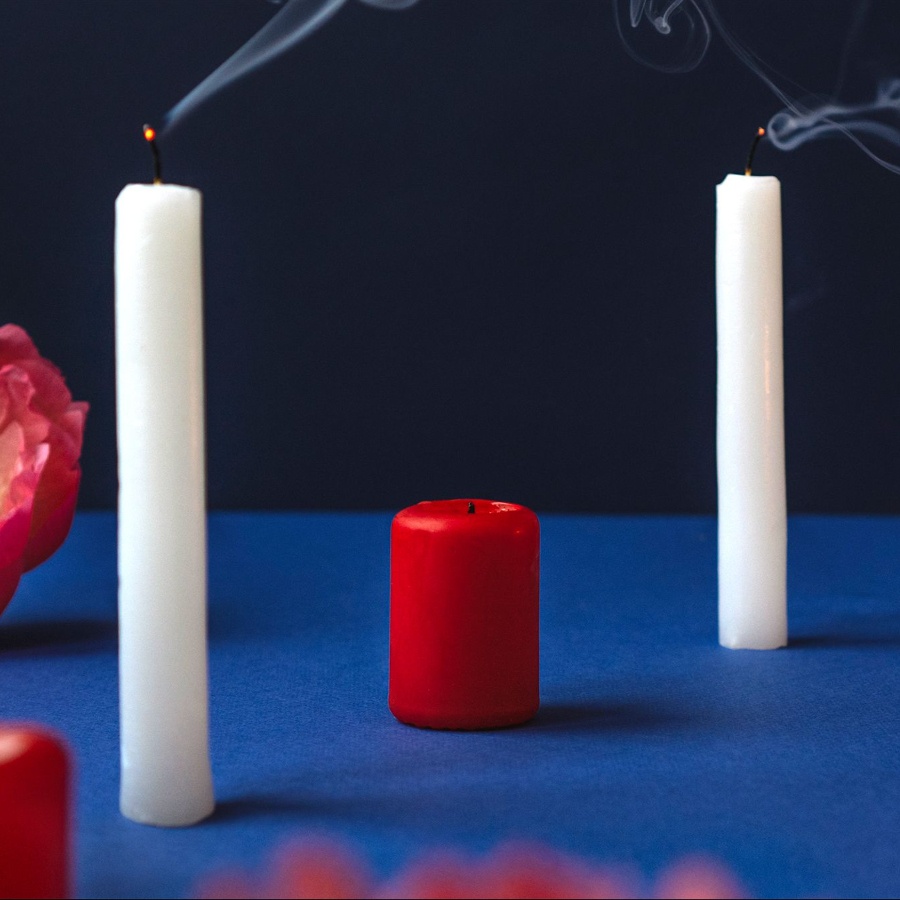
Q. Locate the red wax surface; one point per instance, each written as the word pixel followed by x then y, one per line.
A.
pixel 34 813
pixel 465 614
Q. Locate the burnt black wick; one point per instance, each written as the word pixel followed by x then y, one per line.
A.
pixel 471 507
pixel 150 137
pixel 760 134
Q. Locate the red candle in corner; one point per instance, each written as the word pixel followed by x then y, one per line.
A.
pixel 465 605
pixel 34 814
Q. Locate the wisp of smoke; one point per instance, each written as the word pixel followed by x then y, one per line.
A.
pixel 296 20
pixel 873 125
pixel 666 18
pixel 676 33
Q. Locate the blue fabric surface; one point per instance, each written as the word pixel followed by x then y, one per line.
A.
pixel 652 741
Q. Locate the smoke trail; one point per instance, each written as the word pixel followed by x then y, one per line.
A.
pixel 666 17
pixel 677 39
pixel 873 125
pixel 296 20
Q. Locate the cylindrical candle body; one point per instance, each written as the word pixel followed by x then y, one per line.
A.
pixel 464 614
pixel 34 814
pixel 750 426
pixel 166 778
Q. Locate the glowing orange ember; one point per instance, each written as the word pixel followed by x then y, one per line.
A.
pixel 150 133
pixel 761 132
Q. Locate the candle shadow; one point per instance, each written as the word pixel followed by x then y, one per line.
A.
pixel 609 717
pixel 844 641
pixel 79 634
pixel 263 806
pixel 874 630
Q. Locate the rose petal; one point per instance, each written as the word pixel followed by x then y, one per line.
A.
pixel 72 424
pixel 12 443
pixel 35 400
pixel 54 509
pixel 699 878
pixel 317 868
pixel 57 490
pixel 16 523
pixel 18 394
pixel 16 345
pixel 534 870
pixel 437 876
pixel 52 397
pixel 13 534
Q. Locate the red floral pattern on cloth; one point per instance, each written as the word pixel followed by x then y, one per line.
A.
pixel 329 870
pixel 41 433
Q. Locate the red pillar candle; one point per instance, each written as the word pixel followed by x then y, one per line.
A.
pixel 34 814
pixel 464 614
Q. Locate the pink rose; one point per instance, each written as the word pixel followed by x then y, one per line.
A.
pixel 330 870
pixel 41 431
pixel 698 878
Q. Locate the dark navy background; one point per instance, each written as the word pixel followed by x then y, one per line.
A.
pixel 465 249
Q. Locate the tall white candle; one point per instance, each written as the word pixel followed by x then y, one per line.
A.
pixel 166 777
pixel 750 432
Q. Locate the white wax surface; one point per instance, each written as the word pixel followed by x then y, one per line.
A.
pixel 750 426
pixel 166 778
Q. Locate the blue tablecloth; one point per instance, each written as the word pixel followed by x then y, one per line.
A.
pixel 652 741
